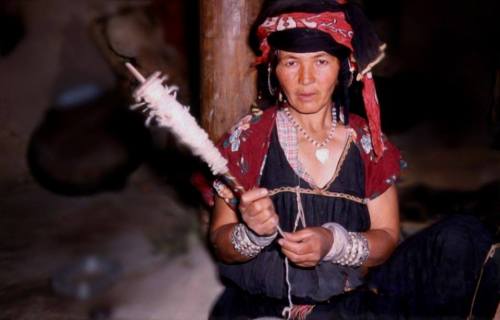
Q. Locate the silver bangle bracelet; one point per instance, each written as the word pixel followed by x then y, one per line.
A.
pixel 340 238
pixel 348 248
pixel 357 251
pixel 261 241
pixel 364 250
pixel 242 243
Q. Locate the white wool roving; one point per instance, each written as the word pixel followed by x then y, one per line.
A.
pixel 163 106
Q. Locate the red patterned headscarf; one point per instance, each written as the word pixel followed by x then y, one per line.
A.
pixel 335 25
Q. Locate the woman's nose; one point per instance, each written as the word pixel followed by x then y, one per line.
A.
pixel 306 74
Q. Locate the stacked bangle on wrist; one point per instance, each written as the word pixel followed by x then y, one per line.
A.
pixel 348 248
pixel 262 241
pixel 340 238
pixel 247 243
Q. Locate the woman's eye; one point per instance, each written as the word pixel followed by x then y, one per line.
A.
pixel 322 62
pixel 290 63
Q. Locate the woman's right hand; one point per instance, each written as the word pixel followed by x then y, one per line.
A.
pixel 257 211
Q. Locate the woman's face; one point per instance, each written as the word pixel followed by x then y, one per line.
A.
pixel 307 79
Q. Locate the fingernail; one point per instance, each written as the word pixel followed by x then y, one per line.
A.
pixel 280 241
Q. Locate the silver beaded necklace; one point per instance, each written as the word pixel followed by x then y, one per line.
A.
pixel 322 153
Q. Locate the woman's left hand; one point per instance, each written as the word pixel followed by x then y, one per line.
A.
pixel 306 247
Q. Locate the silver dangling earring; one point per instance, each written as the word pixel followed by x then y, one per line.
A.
pixel 282 98
pixel 269 86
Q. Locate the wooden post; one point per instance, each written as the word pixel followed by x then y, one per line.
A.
pixel 227 78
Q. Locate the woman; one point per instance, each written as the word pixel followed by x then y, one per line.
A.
pixel 326 179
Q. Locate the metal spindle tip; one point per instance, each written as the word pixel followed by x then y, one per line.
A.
pixel 135 72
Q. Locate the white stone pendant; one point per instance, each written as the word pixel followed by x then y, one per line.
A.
pixel 322 155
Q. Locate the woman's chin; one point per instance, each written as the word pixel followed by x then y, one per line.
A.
pixel 306 106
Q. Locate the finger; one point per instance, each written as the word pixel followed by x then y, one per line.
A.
pixel 260 206
pixel 299 236
pixel 307 264
pixel 268 217
pixel 301 260
pixel 252 195
pixel 265 227
pixel 258 217
pixel 304 264
pixel 295 247
pixel 272 223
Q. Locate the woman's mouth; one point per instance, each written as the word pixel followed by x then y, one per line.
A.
pixel 306 96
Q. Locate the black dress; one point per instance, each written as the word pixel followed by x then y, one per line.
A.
pixel 431 274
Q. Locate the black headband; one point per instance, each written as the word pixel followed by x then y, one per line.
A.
pixel 302 40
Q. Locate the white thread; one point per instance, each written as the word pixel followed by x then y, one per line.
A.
pixel 288 310
pixel 300 211
pixel 490 255
pixel 299 218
